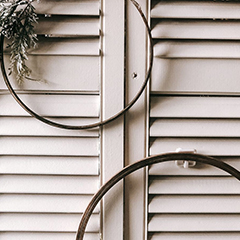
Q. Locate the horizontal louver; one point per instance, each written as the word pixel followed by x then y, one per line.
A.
pixel 53 105
pixel 194 104
pixel 49 175
pixel 43 236
pixel 197 236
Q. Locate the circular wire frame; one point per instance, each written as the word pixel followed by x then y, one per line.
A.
pixel 92 125
pixel 144 163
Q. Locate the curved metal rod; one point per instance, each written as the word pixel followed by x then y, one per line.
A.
pixel 93 125
pixel 141 164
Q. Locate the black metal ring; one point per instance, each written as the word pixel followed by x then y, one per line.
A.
pixel 93 125
pixel 141 164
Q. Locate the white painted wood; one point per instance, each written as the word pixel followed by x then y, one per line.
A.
pixel 192 223
pixel 67 105
pixel 196 107
pixel 194 185
pixel 48 184
pixel 195 204
pixel 195 128
pixel 14 203
pixel 196 9
pixel 195 75
pixel 69 46
pixel 112 153
pixel 135 135
pixel 202 202
pixel 45 222
pixel 65 46
pixel 208 146
pixel 197 49
pixel 45 236
pixel 76 73
pixel 49 165
pixel 65 25
pixel 71 7
pixel 195 29
pixel 69 146
pixel 170 168
pixel 195 236
pixel 27 126
pixel 48 175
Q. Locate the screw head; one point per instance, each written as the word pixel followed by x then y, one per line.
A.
pixel 134 75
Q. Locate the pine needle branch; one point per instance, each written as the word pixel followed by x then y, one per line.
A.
pixel 17 19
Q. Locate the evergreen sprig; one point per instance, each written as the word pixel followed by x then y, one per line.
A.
pixel 17 19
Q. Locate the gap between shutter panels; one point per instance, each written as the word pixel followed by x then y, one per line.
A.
pixel 41 192
pixel 194 55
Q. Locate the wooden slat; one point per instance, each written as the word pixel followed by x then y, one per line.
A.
pixel 69 146
pixel 45 236
pixel 194 223
pixel 13 203
pixel 48 184
pixel 170 168
pixel 195 236
pixel 27 126
pixel 194 185
pixel 60 73
pixel 65 25
pixel 196 49
pixel 49 165
pixel 208 146
pixel 196 9
pixel 70 7
pixel 46 222
pixel 52 105
pixel 64 46
pixel 195 204
pixel 201 107
pixel 195 128
pixel 69 46
pixel 196 30
pixel 196 75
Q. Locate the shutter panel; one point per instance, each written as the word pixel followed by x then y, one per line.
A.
pixel 48 175
pixel 192 38
pixel 194 104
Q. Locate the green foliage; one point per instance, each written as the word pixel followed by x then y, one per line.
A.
pixel 17 19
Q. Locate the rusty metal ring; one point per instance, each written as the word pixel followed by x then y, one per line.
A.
pixel 93 125
pixel 141 164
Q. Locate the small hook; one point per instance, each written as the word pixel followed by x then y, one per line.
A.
pixel 183 163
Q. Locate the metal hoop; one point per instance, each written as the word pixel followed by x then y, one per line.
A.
pixel 141 164
pixel 93 125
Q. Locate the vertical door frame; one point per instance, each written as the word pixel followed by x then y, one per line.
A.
pixel 136 121
pixel 112 95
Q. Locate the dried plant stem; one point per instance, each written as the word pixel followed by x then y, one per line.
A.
pixel 17 19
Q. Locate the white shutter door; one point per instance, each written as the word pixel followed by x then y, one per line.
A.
pixel 195 105
pixel 48 175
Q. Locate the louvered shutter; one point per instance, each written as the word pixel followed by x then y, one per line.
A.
pixel 49 175
pixel 195 105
